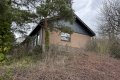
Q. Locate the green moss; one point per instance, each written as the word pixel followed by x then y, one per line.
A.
pixel 46 39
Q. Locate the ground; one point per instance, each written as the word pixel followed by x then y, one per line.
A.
pixel 76 66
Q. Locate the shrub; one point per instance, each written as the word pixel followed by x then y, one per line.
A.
pixel 2 57
pixel 115 49
pixel 98 45
pixel 37 50
pixel 92 45
pixel 105 46
pixel 21 54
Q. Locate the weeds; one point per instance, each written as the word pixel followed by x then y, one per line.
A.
pixel 105 46
pixel 59 64
pixel 99 46
pixel 8 75
pixel 115 49
pixel 21 57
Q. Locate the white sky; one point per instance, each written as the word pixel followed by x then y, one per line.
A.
pixel 88 10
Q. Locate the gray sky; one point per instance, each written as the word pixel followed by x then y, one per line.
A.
pixel 88 10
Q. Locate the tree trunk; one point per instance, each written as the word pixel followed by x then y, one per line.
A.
pixel 43 34
pixel 43 39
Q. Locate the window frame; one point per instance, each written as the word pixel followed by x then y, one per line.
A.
pixel 65 35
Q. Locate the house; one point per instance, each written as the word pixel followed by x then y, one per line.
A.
pixel 80 36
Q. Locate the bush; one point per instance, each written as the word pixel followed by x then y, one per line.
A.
pixel 2 57
pixel 37 50
pixel 115 49
pixel 105 46
pixel 98 45
pixel 92 45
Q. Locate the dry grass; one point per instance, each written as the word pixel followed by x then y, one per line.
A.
pixel 74 65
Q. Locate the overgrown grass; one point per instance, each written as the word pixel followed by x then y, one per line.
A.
pixel 21 57
pixel 105 46
pixel 8 73
pixel 54 56
pixel 59 64
pixel 115 49
pixel 98 45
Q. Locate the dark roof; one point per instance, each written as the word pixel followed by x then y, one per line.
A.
pixel 78 20
pixel 36 29
pixel 85 26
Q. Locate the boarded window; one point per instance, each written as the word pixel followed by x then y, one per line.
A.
pixel 65 36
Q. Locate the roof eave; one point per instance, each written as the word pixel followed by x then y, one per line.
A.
pixel 91 31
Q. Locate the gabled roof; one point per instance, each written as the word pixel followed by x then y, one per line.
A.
pixel 91 32
pixel 78 20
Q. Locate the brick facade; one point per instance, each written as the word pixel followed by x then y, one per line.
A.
pixel 77 40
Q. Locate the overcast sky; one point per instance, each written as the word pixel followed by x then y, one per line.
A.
pixel 88 10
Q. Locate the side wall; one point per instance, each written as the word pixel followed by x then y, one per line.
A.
pixel 77 40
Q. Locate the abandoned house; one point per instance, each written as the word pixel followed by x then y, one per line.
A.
pixel 76 34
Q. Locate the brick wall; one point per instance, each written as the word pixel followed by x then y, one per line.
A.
pixel 77 40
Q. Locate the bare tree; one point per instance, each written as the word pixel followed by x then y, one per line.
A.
pixel 110 19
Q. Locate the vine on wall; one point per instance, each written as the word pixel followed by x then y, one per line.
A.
pixel 47 39
pixel 62 29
